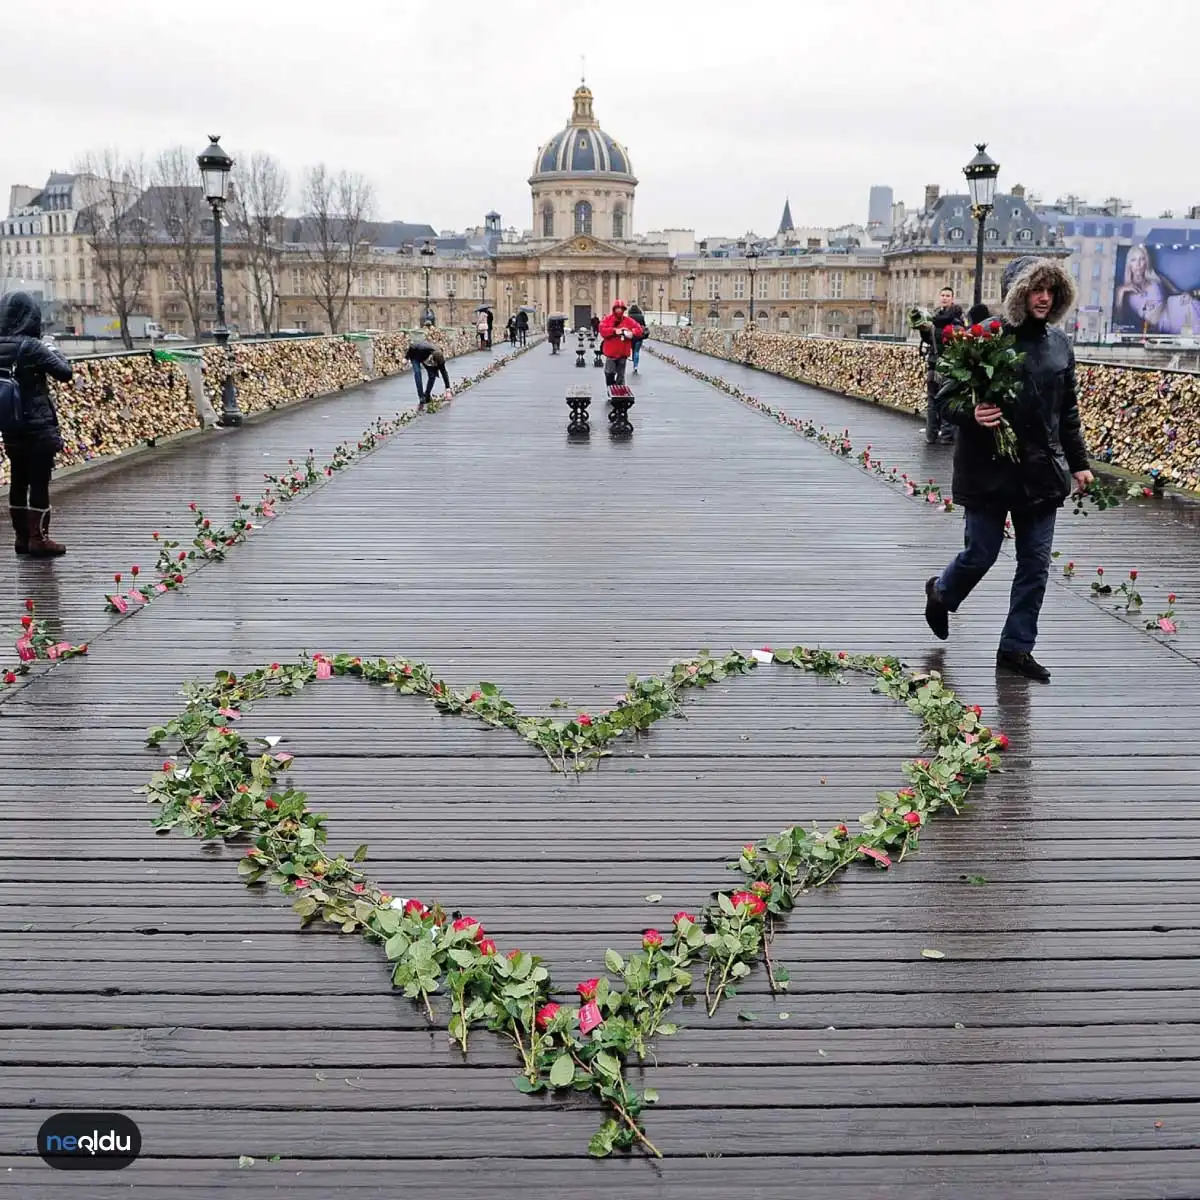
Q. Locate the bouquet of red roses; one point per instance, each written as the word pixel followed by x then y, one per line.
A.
pixel 982 366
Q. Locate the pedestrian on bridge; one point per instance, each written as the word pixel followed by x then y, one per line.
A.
pixel 522 326
pixel 31 434
pixel 1051 462
pixel 429 356
pixel 618 332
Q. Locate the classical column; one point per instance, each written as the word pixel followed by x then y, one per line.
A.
pixel 599 309
pixel 548 309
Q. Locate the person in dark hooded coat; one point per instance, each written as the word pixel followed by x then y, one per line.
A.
pixel 32 445
pixel 1052 461
pixel 938 428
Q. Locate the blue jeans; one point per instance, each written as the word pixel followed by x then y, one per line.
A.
pixel 982 538
pixel 637 353
pixel 417 376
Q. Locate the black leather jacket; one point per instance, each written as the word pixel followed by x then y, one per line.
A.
pixel 20 346
pixel 1045 418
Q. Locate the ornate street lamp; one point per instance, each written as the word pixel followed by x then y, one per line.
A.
pixel 691 286
pixel 450 294
pixel 215 166
pixel 661 293
pixel 981 174
pixel 427 252
pixel 752 256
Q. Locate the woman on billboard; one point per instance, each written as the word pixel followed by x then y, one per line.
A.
pixel 1141 299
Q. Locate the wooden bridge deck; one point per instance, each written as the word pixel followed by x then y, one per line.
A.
pixel 1054 1052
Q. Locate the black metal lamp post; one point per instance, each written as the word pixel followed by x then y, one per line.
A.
pixel 450 295
pixel 661 292
pixel 427 252
pixel 691 286
pixel 215 166
pixel 752 257
pixel 981 174
pixel 483 287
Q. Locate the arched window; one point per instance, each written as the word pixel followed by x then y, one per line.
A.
pixel 583 217
pixel 1025 235
pixel 956 235
pixel 547 220
pixel 739 320
pixel 619 222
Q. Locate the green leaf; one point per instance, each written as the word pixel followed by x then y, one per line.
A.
pixel 613 961
pixel 522 1084
pixel 726 904
pixel 747 1016
pixel 360 853
pixel 607 1065
pixel 562 1074
pixel 650 1096
pixel 977 880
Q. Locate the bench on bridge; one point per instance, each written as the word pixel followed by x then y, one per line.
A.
pixel 578 401
pixel 620 401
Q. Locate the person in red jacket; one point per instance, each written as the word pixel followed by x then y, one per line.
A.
pixel 618 331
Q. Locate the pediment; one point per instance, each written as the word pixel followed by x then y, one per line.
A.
pixel 585 243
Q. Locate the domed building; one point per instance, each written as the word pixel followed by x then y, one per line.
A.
pixel 582 252
pixel 582 181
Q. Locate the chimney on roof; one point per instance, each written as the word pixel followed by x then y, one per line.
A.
pixel 1018 191
pixel 932 191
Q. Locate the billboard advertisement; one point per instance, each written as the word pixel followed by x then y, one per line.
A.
pixel 1156 287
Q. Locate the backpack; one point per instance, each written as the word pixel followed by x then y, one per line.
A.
pixel 12 407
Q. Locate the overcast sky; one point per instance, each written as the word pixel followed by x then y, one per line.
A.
pixel 725 110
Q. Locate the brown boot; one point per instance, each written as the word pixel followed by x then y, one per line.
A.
pixel 20 523
pixel 40 543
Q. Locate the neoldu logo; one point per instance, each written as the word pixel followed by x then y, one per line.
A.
pixel 89 1141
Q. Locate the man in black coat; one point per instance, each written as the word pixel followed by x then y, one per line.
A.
pixel 1052 461
pixel 522 327
pixel 427 355
pixel 937 426
pixel 32 443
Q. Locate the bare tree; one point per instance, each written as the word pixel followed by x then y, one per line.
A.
pixel 178 209
pixel 335 229
pixel 256 208
pixel 117 231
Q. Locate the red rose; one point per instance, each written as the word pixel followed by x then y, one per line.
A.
pixel 994 325
pixel 302 883
pixel 584 719
pixel 1099 570
pixel 651 938
pixel 178 578
pixel 237 499
pixel 546 1014
pixel 487 947
pixel 1171 598
pixel 468 923
pixel 841 654
pixel 272 804
pixel 135 570
pixel 358 888
pixel 182 555
pixel 154 535
pixel 29 606
pixel 754 905
pixel 976 710
pixel 26 622
pixel 205 524
pixel 9 677
pixel 117 577
pixel 761 887
pixel 748 849
pixel 1002 740
pixel 192 506
pixel 681 916
pixel 1132 576
pixel 911 818
pixel 474 696
pixel 587 989
pixel 414 908
pixel 977 331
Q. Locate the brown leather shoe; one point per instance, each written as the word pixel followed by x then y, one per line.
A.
pixel 40 543
pixel 20 523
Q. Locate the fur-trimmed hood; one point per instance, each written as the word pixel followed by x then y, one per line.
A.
pixel 1022 275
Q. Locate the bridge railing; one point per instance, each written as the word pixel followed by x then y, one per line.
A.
pixel 1140 419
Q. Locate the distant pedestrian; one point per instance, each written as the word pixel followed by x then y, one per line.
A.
pixel 490 319
pixel 511 328
pixel 30 431
pixel 1051 461
pixel 938 427
pixel 522 327
pixel 481 328
pixel 595 324
pixel 636 314
pixel 618 332
pixel 429 356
